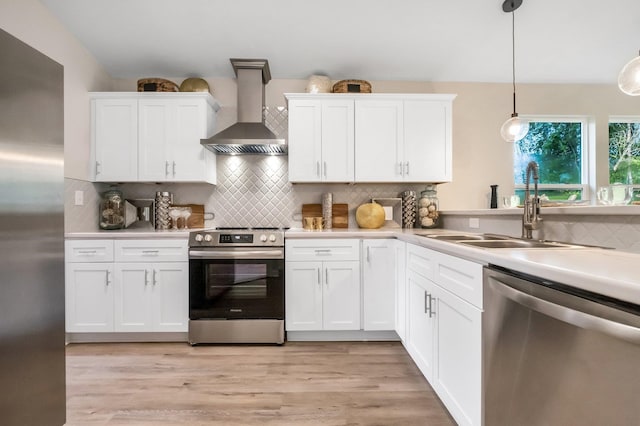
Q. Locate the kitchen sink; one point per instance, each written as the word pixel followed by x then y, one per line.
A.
pixel 467 237
pixel 516 243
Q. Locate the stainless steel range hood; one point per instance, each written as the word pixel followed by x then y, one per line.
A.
pixel 249 135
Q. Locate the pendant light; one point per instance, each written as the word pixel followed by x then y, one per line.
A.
pixel 514 128
pixel 629 77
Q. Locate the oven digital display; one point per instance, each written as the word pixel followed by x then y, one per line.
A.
pixel 236 238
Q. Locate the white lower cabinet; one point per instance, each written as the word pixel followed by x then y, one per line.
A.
pixel 322 288
pixel 137 286
pixel 444 331
pixel 378 284
pixel 151 296
pixel 89 297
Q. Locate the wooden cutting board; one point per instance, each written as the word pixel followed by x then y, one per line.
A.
pixel 339 216
pixel 196 220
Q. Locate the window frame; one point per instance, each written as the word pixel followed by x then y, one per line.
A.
pixel 585 175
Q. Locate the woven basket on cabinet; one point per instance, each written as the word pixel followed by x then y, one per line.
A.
pixel 352 86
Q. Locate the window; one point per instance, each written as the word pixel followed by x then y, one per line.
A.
pixel 624 151
pixel 558 145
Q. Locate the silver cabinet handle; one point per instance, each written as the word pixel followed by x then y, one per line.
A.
pixel 153 276
pixel 368 255
pixel 166 168
pixel 325 169
pixel 86 251
pixel 399 169
pixel 431 311
pixel 319 279
pixel 150 252
pixel 146 277
pixel 326 277
pixel 323 252
pixel 426 302
pixel 318 168
pixel 98 168
pixel 108 281
pixel 406 169
pixel 174 168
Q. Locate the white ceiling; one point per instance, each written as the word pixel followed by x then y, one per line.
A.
pixel 568 41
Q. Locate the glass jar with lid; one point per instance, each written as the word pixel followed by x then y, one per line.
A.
pixel 428 211
pixel 111 210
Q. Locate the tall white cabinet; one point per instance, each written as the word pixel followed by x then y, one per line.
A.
pixel 378 284
pixel 370 137
pixel 152 137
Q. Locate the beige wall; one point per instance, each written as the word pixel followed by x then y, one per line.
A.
pixel 480 157
pixel 32 23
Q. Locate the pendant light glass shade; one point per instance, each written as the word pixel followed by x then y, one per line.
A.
pixel 629 77
pixel 514 128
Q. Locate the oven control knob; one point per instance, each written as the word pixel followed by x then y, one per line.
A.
pixel 263 238
pixel 272 238
pixel 208 238
pixel 199 237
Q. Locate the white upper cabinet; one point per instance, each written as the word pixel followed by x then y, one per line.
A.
pixel 321 140
pixel 407 139
pixel 370 137
pixel 152 137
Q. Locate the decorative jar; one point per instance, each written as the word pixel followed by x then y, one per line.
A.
pixel 111 210
pixel 428 211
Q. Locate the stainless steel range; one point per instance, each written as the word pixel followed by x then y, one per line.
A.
pixel 236 286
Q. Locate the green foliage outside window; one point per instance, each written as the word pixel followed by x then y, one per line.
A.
pixel 556 147
pixel 624 153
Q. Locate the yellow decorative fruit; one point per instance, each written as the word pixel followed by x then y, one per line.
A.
pixel 370 216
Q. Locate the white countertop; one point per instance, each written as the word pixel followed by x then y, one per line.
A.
pixel 608 272
pixel 129 234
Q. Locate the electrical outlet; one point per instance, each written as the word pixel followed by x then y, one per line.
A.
pixel 474 222
pixel 79 198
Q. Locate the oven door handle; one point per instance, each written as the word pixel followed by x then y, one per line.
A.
pixel 245 254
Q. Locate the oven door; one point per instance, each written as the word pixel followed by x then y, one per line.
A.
pixel 236 283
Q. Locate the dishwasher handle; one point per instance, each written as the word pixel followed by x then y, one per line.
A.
pixel 564 313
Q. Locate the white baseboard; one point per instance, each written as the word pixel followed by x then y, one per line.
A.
pixel 126 337
pixel 341 336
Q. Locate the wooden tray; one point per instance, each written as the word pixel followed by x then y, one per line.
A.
pixel 339 216
pixel 196 220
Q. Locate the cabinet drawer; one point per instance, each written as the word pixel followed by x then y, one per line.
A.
pixel 170 250
pixel 461 277
pixel 88 250
pixel 420 260
pixel 320 250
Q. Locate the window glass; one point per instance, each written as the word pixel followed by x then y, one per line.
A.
pixel 557 147
pixel 624 152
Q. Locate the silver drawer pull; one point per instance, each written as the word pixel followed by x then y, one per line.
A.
pixel 150 251
pixel 324 252
pixel 87 251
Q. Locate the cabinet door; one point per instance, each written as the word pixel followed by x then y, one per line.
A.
pixel 378 141
pixel 186 154
pixel 305 140
pixel 341 296
pixel 155 127
pixel 427 141
pixel 378 284
pixel 115 139
pixel 133 291
pixel 401 289
pixel 420 327
pixel 89 297
pixel 458 356
pixel 337 141
pixel 170 304
pixel 303 296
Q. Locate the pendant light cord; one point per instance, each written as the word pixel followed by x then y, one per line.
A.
pixel 513 57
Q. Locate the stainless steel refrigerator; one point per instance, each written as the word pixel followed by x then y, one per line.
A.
pixel 32 365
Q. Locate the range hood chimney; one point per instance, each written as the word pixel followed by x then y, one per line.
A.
pixel 249 135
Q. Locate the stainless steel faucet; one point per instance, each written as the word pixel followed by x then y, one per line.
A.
pixel 531 215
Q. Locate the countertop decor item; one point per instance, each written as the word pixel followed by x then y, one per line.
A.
pixel 409 204
pixel 370 216
pixel 318 84
pixel 163 202
pixel 494 197
pixel 156 85
pixel 352 86
pixel 327 206
pixel 112 210
pixel 392 211
pixel 428 211
pixel 194 84
pixel 339 213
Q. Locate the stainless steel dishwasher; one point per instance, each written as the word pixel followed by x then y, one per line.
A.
pixel 557 355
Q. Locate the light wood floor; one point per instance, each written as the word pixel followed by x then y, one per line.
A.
pixel 296 384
